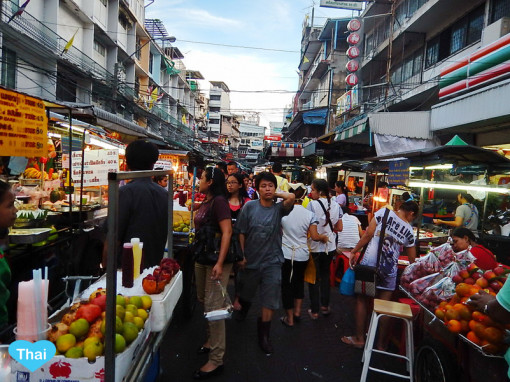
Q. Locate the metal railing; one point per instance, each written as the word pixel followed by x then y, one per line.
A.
pixel 45 37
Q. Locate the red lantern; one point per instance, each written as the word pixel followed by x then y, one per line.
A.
pixel 353 38
pixel 351 79
pixel 354 25
pixel 352 66
pixel 353 52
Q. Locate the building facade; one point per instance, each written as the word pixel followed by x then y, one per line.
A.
pixel 106 61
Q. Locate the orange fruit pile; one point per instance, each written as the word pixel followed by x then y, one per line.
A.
pixel 462 319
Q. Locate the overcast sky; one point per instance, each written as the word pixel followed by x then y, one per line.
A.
pixel 259 80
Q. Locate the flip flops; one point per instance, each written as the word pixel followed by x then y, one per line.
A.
pixel 349 340
pixel 313 316
pixel 284 322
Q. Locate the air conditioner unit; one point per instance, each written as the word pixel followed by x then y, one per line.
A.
pixel 495 30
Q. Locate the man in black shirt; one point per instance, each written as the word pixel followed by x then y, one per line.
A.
pixel 143 205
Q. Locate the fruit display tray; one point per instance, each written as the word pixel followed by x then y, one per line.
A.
pixel 80 369
pixel 28 235
pixel 163 304
pixel 432 320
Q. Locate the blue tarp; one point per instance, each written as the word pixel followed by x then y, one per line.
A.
pixel 315 117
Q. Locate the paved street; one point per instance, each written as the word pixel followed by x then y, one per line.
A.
pixel 311 351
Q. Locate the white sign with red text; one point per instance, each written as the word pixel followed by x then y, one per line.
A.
pixel 97 164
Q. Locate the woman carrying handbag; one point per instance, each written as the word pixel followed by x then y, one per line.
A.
pixel 213 228
pixel 398 234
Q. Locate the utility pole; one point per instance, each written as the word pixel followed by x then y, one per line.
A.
pixel 114 87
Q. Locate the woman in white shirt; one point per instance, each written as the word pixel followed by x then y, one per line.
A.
pixel 329 215
pixel 296 226
pixel 351 233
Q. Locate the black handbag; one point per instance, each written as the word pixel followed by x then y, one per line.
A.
pixel 206 245
pixel 235 252
pixel 366 276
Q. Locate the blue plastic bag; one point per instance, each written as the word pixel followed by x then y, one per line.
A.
pixel 347 284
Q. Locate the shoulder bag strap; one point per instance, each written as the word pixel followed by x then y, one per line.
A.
pixel 381 236
pixel 329 222
pixel 326 215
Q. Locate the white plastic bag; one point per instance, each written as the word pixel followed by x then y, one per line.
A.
pixel 224 310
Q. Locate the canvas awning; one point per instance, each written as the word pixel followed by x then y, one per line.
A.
pixel 117 123
pixel 352 131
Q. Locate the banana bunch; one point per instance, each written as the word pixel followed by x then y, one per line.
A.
pixel 32 173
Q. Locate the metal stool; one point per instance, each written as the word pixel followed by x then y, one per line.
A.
pixel 395 310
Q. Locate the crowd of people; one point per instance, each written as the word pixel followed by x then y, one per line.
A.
pixel 266 233
pixel 277 237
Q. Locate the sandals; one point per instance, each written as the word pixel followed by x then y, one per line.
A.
pixel 313 316
pixel 349 340
pixel 326 311
pixel 284 322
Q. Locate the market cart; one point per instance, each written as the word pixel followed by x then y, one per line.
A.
pixel 441 355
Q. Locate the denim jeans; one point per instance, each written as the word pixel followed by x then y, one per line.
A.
pixel 319 292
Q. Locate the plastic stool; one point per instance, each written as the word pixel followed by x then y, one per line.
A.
pixel 395 310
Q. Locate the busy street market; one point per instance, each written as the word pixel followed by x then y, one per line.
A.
pixel 315 190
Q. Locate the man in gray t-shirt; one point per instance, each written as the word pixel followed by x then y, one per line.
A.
pixel 260 236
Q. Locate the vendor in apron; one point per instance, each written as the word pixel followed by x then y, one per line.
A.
pixel 466 214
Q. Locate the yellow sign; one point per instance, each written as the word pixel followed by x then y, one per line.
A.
pixel 23 125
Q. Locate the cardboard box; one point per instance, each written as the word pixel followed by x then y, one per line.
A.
pixel 61 368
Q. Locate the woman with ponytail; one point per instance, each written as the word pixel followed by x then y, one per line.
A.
pixel 213 211
pixel 329 214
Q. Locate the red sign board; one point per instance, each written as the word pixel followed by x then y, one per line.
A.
pixel 352 66
pixel 353 52
pixel 353 38
pixel 351 79
pixel 272 138
pixel 354 25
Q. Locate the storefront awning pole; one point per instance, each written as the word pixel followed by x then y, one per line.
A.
pixel 112 253
pixel 487 181
pixel 170 234
pixel 111 275
pixel 81 175
pixel 420 215
pixel 194 180
pixel 70 169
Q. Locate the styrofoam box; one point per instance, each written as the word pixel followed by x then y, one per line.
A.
pixel 60 368
pixel 163 304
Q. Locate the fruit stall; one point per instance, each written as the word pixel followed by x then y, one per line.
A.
pixel 113 329
pixel 439 174
pixel 453 341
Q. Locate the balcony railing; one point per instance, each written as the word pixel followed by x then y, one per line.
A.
pixel 46 38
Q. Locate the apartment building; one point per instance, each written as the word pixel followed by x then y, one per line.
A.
pixel 98 57
pixel 252 140
pixel 412 94
pixel 322 72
